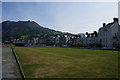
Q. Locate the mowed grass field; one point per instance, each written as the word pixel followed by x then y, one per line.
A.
pixel 44 62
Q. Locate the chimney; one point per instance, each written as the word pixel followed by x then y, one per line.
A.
pixel 104 24
pixel 115 20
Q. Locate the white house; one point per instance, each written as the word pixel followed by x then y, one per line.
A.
pixel 109 35
pixel 91 38
pixel 62 39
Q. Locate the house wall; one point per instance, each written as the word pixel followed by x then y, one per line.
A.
pixel 106 34
pixel 115 32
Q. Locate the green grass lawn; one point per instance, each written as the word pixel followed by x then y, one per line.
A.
pixel 67 62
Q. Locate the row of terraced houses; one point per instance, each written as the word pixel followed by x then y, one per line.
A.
pixel 108 36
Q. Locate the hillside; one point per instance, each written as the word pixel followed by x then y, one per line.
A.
pixel 24 28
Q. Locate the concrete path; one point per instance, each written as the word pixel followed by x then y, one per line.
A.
pixel 0 62
pixel 9 66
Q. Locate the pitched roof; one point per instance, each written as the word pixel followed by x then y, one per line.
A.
pixel 110 24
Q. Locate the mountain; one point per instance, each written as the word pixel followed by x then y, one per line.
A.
pixel 81 34
pixel 25 28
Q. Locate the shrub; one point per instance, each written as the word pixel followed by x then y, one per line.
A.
pixel 59 44
pixel 19 44
pixel 73 45
pixel 82 45
pixel 91 45
pixel 98 45
pixel 49 44
pixel 68 44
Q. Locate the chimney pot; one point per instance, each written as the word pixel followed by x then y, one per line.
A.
pixel 104 24
pixel 115 20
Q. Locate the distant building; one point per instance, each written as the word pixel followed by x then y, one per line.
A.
pixel 109 35
pixel 42 40
pixel 35 41
pixel 25 41
pixel 81 39
pixel 61 39
pixel 91 38
pixel 50 40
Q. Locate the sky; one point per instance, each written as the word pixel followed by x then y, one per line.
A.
pixel 73 17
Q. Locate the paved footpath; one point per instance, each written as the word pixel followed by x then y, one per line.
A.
pixel 9 66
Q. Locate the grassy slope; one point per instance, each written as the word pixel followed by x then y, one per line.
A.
pixel 67 62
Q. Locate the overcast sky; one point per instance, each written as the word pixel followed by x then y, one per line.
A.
pixel 73 17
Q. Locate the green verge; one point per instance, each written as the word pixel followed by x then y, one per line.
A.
pixel 43 62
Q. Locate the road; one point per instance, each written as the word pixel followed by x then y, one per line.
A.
pixel 9 66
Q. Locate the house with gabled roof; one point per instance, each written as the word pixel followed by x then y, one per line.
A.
pixel 109 34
